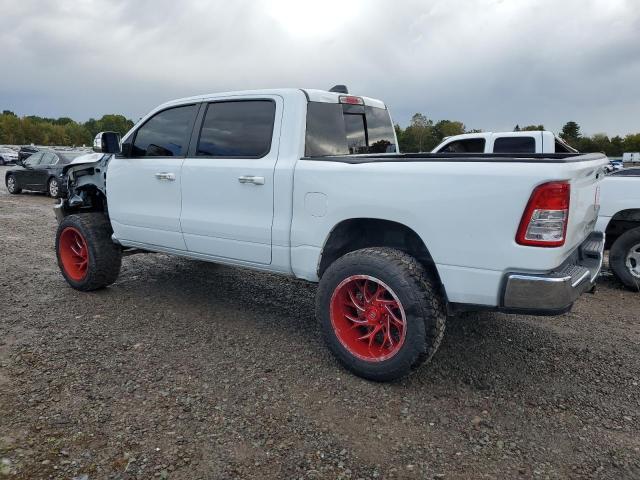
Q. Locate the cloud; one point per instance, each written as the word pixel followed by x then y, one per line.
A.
pixel 488 63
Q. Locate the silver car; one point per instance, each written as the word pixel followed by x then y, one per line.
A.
pixel 7 156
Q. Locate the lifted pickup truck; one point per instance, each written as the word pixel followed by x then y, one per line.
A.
pixel 309 183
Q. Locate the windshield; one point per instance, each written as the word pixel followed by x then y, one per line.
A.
pixel 340 129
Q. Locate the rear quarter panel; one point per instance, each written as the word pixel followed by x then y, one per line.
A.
pixel 467 213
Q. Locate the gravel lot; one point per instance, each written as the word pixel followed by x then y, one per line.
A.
pixel 188 370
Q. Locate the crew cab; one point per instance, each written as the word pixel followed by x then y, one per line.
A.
pixel 310 183
pixel 620 219
pixel 504 142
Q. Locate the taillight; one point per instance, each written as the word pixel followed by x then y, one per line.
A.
pixel 544 223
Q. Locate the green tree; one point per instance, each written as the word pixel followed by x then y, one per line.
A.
pixel 447 128
pixel 532 128
pixel 571 133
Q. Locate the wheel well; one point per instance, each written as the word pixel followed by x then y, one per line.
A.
pixel 357 233
pixel 621 222
pixel 85 199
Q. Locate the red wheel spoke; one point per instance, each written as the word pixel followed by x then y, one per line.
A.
pixel 397 321
pixel 371 335
pixel 387 334
pixel 354 301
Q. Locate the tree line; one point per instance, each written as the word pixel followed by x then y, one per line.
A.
pixel 61 131
pixel 421 135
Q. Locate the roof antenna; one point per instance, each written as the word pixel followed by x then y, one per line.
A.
pixel 339 89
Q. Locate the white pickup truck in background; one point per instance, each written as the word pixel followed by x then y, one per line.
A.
pixel 620 219
pixel 309 183
pixel 504 142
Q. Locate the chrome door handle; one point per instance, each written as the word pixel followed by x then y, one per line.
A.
pixel 166 176
pixel 251 179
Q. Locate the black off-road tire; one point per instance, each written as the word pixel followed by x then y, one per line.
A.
pixel 16 190
pixel 618 258
pixel 419 295
pixel 104 256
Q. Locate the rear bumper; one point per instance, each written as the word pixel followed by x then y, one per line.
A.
pixel 554 292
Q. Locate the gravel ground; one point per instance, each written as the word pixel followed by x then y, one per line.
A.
pixel 187 370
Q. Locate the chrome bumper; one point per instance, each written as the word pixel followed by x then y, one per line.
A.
pixel 555 291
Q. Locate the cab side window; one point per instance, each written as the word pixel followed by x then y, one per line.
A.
pixel 469 145
pixel 166 134
pixel 514 145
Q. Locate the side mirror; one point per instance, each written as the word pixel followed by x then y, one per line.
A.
pixel 107 142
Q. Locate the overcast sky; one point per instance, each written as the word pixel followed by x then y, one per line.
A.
pixel 489 63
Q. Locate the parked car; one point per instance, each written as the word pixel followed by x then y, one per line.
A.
pixel 291 181
pixel 504 142
pixel 614 165
pixel 8 156
pixel 26 151
pixel 41 172
pixel 620 218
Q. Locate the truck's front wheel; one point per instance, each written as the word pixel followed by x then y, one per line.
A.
pixel 380 313
pixel 87 257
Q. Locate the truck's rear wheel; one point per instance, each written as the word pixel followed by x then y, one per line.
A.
pixel 87 257
pixel 624 258
pixel 380 313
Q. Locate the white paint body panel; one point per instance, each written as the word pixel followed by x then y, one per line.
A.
pixel 142 207
pixel 467 213
pixel 617 193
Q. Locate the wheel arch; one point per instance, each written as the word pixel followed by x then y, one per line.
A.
pixel 620 223
pixel 364 232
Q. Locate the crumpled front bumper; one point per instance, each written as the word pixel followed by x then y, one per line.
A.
pixel 554 292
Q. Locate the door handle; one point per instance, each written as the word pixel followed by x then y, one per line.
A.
pixel 251 179
pixel 166 176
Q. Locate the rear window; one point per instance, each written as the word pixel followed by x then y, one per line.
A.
pixel 514 145
pixel 338 129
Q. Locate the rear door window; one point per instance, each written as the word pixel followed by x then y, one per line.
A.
pixel 49 159
pixel 514 145
pixel 237 129
pixel 166 134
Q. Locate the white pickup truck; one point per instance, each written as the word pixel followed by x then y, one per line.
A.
pixel 309 183
pixel 620 219
pixel 504 142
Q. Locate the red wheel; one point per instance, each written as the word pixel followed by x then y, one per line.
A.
pixel 380 313
pixel 87 256
pixel 74 253
pixel 368 318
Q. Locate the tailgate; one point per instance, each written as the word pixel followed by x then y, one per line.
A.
pixel 585 177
